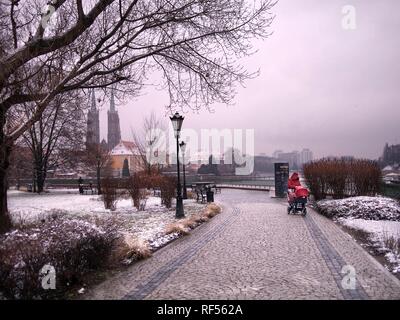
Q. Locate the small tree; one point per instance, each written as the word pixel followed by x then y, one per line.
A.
pixel 136 187
pixel 109 195
pixel 125 169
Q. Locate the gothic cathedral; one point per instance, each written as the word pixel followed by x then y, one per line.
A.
pixel 93 124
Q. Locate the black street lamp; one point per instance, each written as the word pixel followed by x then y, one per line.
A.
pixel 183 148
pixel 177 121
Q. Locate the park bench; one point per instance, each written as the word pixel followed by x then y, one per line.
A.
pixel 216 189
pixel 157 192
pixel 201 195
pixel 86 188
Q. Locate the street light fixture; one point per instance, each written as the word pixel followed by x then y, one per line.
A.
pixel 183 148
pixel 177 121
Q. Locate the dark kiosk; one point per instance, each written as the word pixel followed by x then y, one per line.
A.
pixel 281 179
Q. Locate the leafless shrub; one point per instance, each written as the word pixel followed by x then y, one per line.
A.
pixel 191 195
pixel 168 187
pixel 109 192
pixel 392 243
pixel 342 177
pixel 136 187
pixel 72 247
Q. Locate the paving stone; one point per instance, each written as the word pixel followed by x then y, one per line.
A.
pixel 254 250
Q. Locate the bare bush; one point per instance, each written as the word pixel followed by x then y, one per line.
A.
pixel 72 247
pixel 168 190
pixel 341 178
pixel 109 192
pixel 392 243
pixel 136 188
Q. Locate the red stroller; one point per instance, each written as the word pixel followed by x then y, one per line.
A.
pixel 297 195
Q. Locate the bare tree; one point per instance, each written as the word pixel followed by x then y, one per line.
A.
pixel 20 164
pixel 146 141
pixel 66 45
pixel 55 136
pixel 97 158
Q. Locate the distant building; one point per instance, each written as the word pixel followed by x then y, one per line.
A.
pixel 277 153
pixel 114 130
pixel 292 158
pixel 126 150
pixel 306 156
pixel 295 158
pixel 391 155
pixel 263 164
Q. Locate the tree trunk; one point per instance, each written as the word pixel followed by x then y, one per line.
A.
pixel 5 151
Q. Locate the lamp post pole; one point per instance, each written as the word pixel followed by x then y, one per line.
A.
pixel 183 148
pixel 177 120
pixel 98 158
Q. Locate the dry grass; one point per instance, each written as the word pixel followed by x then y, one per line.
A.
pixel 177 227
pixel 392 243
pixel 191 195
pixel 183 227
pixel 191 222
pixel 128 249
pixel 211 210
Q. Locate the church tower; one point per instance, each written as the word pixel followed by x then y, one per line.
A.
pixel 93 123
pixel 114 130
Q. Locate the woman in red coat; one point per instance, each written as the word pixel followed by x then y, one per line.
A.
pixel 293 182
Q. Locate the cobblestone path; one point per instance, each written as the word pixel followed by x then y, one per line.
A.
pixel 255 250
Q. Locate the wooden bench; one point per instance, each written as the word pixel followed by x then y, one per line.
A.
pixel 201 195
pixel 157 192
pixel 216 189
pixel 86 188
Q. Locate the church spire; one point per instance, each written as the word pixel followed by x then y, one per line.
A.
pixel 93 123
pixel 93 106
pixel 112 101
pixel 114 130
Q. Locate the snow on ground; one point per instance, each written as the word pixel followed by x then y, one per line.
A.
pixel 148 225
pixel 368 208
pixel 379 217
pixel 385 236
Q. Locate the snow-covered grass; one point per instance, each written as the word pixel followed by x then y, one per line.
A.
pixel 378 217
pixel 384 235
pixel 148 225
pixel 368 208
pixel 80 234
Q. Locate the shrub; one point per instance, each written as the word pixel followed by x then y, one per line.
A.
pixel 168 190
pixel 136 188
pixel 177 227
pixel 72 247
pixel 341 178
pixel 392 243
pixel 128 249
pixel 109 188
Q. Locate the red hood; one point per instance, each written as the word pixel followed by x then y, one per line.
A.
pixel 295 176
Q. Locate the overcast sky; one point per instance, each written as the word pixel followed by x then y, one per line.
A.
pixel 321 87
